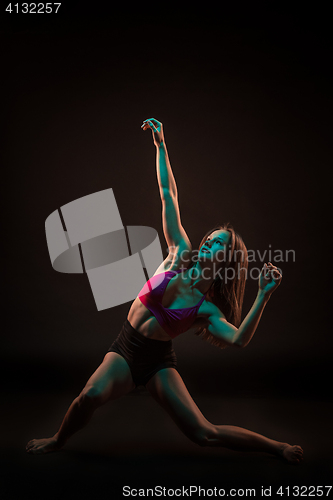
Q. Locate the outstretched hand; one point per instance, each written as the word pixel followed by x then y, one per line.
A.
pixel 156 128
pixel 269 279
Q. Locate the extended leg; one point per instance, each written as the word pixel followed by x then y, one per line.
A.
pixel 111 380
pixel 168 388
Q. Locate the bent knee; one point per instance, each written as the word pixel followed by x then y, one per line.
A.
pixel 203 436
pixel 92 395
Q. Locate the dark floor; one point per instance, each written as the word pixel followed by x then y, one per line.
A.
pixel 132 442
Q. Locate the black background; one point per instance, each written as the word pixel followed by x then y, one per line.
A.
pixel 244 94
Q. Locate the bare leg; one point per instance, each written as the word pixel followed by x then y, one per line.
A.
pixel 111 380
pixel 237 438
pixel 169 390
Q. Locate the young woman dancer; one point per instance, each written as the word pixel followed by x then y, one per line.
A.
pixel 200 292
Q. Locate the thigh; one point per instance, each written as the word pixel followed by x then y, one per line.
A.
pixel 168 389
pixel 111 380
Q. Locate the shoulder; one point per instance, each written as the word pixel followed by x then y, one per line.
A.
pixel 181 253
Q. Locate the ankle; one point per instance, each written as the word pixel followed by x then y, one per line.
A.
pixel 281 447
pixel 58 442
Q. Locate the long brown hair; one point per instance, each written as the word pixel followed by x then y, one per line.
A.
pixel 228 294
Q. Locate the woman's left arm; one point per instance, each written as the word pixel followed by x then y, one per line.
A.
pixel 269 280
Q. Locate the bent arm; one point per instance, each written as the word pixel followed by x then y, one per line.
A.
pixel 249 325
pixel 240 337
pixel 269 279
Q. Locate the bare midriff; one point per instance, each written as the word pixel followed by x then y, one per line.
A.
pixel 144 322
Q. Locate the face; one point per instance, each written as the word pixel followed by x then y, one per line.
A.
pixel 215 246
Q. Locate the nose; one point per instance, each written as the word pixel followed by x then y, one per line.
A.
pixel 208 243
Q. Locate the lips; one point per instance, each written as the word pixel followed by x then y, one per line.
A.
pixel 205 250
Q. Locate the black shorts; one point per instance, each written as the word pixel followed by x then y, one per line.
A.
pixel 144 356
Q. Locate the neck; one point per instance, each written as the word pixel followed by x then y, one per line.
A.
pixel 202 278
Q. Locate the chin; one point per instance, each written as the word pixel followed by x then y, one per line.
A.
pixel 205 258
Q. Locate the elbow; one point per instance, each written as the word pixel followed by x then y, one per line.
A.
pixel 236 341
pixel 238 344
pixel 241 344
pixel 168 192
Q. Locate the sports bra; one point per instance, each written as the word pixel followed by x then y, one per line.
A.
pixel 173 321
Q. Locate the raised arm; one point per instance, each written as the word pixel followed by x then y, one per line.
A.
pixel 269 280
pixel 174 232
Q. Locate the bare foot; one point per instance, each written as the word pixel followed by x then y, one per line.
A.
pixel 39 446
pixel 293 454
